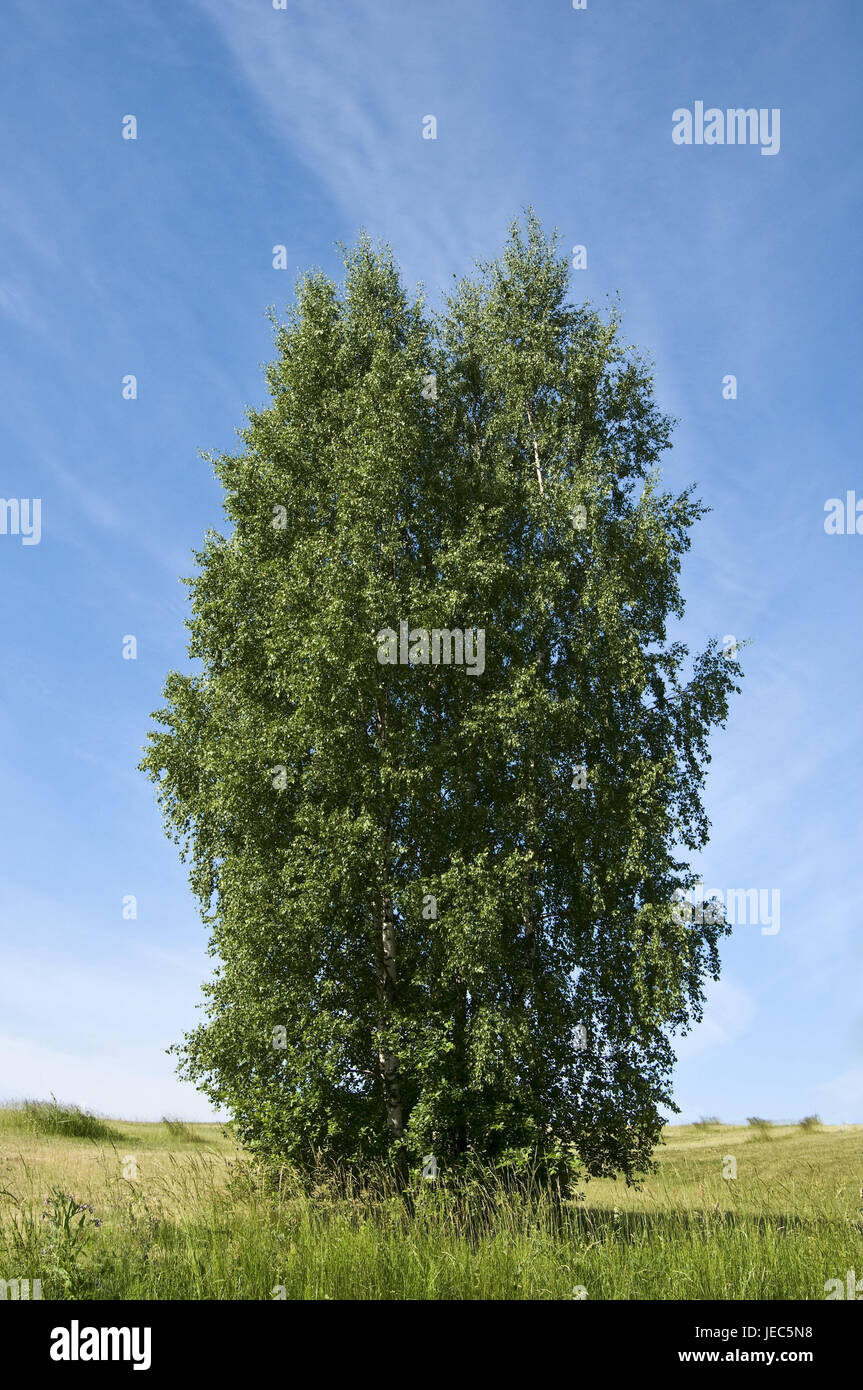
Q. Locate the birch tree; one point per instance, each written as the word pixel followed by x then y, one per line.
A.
pixel 441 893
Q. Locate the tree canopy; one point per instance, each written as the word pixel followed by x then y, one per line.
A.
pixel 441 899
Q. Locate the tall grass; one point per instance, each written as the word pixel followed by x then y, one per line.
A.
pixel 762 1127
pixel 206 1224
pixel 178 1129
pixel 70 1121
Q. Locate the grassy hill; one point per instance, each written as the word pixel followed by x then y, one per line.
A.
pixel 172 1211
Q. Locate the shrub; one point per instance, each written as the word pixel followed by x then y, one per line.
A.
pixel 761 1127
pixel 70 1121
pixel 178 1129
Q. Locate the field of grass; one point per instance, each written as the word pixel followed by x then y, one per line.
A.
pixel 162 1211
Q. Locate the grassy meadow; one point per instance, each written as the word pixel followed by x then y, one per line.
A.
pixel 111 1209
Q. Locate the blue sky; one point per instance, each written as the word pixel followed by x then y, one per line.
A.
pixel 259 127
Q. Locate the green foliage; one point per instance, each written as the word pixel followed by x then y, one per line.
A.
pixel 325 798
pixel 56 1249
pixel 70 1121
pixel 762 1127
pixel 178 1129
pixel 810 1122
pixel 790 1223
pixel 68 1220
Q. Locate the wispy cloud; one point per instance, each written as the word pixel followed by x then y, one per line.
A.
pixel 728 1013
pixel 844 1095
pixel 347 98
pixel 103 1083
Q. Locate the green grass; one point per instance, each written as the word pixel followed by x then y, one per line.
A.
pixel 178 1129
pixel 50 1117
pixel 183 1217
